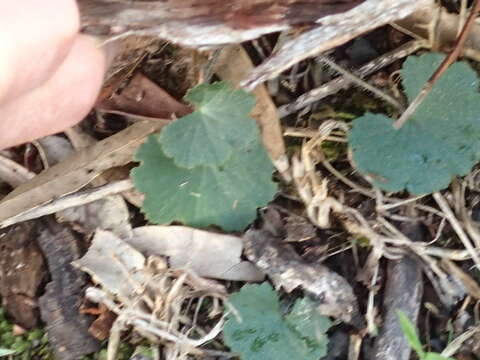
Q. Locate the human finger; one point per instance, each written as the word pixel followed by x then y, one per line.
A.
pixel 35 37
pixel 62 101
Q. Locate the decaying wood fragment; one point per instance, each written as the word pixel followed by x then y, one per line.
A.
pixel 404 290
pixel 204 23
pixel 22 273
pixel 67 328
pixel 335 30
pixel 331 292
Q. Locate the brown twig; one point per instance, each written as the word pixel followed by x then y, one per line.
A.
pixel 449 60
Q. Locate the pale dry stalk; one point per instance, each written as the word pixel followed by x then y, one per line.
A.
pixel 157 312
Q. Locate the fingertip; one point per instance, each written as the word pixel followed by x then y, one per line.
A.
pixel 87 64
pixel 65 99
pixel 35 38
pixel 76 84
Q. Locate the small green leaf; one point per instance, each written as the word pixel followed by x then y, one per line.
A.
pixel 227 195
pixel 410 333
pixel 6 352
pixel 219 126
pixel 441 139
pixel 264 334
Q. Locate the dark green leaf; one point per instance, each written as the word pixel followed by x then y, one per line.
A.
pixel 264 334
pixel 227 196
pixel 440 141
pixel 219 126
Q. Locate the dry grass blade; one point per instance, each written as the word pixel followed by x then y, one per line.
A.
pixel 77 170
pixel 13 173
pixel 68 201
pixel 385 240
pixel 342 82
pixel 456 343
pixel 356 80
pixel 471 286
pixel 442 203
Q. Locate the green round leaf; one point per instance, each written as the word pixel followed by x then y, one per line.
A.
pixel 226 195
pixel 264 333
pixel 441 139
pixel 219 126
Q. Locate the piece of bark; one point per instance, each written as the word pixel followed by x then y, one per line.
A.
pixel 210 23
pixel 403 292
pixel 204 23
pixel 67 328
pixel 335 30
pixel 299 229
pixel 22 272
pixel 331 292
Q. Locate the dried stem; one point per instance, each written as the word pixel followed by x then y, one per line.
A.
pixel 361 83
pixel 442 203
pixel 449 60
pixel 78 198
pixel 342 82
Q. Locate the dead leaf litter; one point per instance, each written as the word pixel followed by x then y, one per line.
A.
pixel 359 254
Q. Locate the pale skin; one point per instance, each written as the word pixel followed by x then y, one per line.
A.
pixel 50 75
